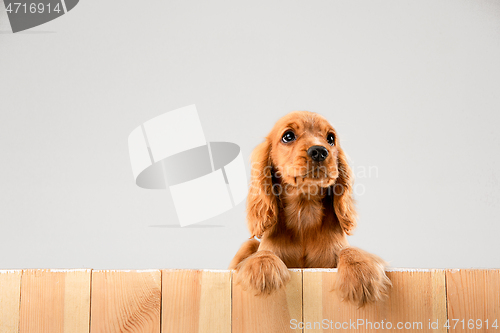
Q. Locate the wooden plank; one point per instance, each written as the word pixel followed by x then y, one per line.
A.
pixel 10 292
pixel 126 301
pixel 473 300
pixel 274 313
pixel 55 301
pixel 196 301
pixel 417 299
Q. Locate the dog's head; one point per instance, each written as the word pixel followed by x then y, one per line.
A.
pixel 301 153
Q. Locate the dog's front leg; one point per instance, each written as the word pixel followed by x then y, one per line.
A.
pixel 361 277
pixel 263 272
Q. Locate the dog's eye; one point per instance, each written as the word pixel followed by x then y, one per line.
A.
pixel 331 139
pixel 288 137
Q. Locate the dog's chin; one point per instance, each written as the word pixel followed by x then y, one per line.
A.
pixel 310 183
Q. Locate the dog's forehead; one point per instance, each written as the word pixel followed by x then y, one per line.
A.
pixel 305 120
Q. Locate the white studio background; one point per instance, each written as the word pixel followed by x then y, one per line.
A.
pixel 412 87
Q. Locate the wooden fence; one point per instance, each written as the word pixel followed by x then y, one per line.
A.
pixel 184 301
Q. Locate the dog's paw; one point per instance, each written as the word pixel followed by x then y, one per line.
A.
pixel 361 277
pixel 263 272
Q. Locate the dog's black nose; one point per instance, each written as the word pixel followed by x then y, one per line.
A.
pixel 317 153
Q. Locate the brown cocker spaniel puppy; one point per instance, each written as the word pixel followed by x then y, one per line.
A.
pixel 301 207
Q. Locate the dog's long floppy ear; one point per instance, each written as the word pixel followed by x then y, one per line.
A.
pixel 343 200
pixel 262 205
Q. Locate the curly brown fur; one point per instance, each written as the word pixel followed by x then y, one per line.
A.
pixel 248 248
pixel 361 277
pixel 263 273
pixel 301 206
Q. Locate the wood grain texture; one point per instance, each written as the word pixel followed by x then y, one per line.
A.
pixel 473 298
pixel 126 301
pixel 55 301
pixel 264 314
pixel 10 292
pixel 417 296
pixel 196 301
